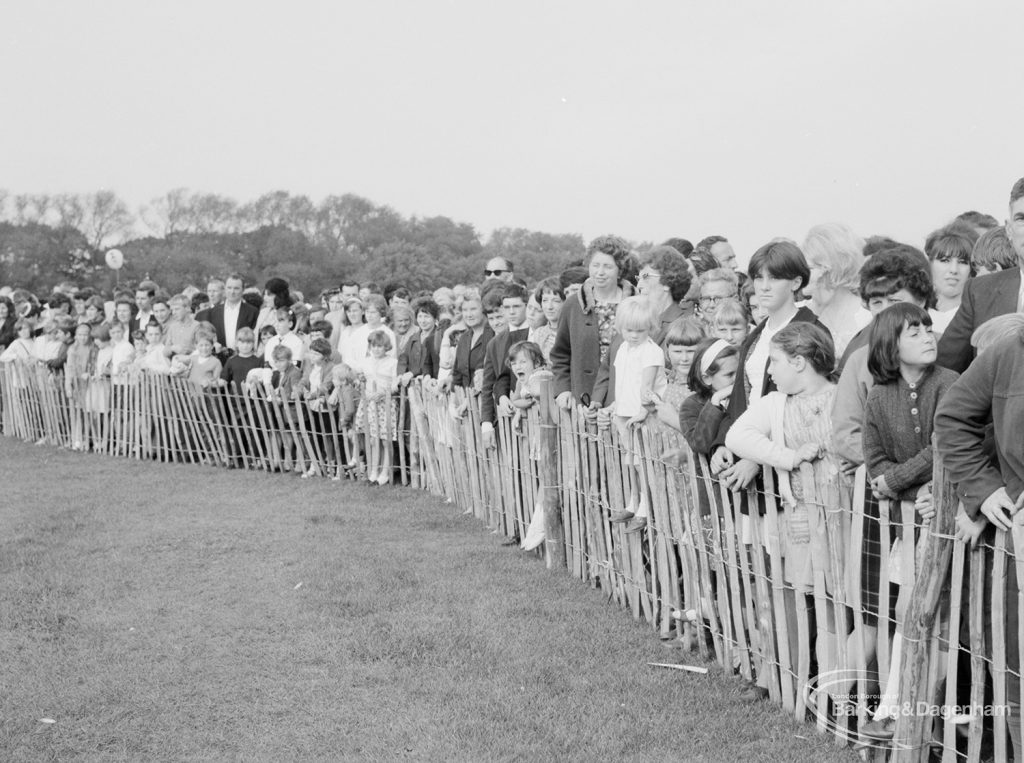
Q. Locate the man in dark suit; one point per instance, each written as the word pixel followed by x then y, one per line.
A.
pixel 987 296
pixel 497 382
pixel 229 316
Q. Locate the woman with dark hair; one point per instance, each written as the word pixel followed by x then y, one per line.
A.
pixel 550 295
pixel 778 271
pixel 8 317
pixel 665 278
pixel 587 324
pixel 276 295
pixel 949 252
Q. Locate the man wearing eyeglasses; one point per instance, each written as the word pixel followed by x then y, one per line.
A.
pixel 500 268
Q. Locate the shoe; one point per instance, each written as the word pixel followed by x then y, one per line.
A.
pixel 621 516
pixel 754 694
pixel 636 524
pixel 513 541
pixel 883 729
pixel 371 476
pixel 383 479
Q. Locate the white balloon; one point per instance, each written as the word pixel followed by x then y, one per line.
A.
pixel 114 259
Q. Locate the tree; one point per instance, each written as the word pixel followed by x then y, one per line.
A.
pixel 535 255
pixel 36 257
pixel 168 214
pixel 69 210
pixel 355 225
pixel 107 219
pixel 404 261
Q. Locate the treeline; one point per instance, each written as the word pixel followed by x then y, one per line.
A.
pixel 185 237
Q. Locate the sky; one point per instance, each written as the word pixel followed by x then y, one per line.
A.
pixel 749 119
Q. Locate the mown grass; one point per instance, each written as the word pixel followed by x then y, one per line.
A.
pixel 161 612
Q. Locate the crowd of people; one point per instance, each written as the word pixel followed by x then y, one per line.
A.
pixel 837 351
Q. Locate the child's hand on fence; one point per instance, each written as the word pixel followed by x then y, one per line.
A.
pixel 638 419
pixel 405 378
pixel 848 468
pixel 487 435
pixel 809 451
pixel 603 416
pixel 505 406
pixel 969 530
pixel 880 488
pixel 741 474
pixel 721 460
pixel 923 503
pixel 564 400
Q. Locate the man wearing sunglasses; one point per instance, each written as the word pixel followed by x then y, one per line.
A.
pixel 500 268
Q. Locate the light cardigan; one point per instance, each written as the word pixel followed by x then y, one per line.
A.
pixel 758 435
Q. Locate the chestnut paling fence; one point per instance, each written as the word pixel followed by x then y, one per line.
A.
pixel 783 593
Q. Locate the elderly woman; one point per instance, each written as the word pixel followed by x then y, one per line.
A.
pixel 665 278
pixel 835 255
pixel 716 286
pixel 401 324
pixel 587 324
pixel 990 394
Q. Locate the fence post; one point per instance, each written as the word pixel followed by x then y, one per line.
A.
pixel 550 489
pixel 913 729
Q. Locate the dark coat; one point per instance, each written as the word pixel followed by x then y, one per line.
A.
pixel 984 297
pixel 576 354
pixel 247 315
pixel 990 391
pixel 420 356
pixel 497 375
pixel 469 357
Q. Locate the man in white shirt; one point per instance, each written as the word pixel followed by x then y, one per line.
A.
pixel 231 315
pixel 144 296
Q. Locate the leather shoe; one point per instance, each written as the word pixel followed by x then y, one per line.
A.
pixel 636 524
pixel 883 729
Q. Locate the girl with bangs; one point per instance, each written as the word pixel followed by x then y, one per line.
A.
pixel 897 437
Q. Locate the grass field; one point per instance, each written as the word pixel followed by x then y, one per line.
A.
pixel 158 612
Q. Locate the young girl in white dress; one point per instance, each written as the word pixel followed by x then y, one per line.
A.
pixel 640 381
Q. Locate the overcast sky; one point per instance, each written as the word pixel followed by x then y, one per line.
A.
pixel 750 119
